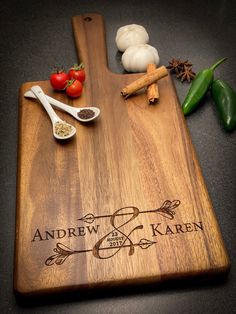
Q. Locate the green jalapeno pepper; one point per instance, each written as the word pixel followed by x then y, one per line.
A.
pixel 199 88
pixel 225 99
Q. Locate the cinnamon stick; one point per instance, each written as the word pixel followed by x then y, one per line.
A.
pixel 152 89
pixel 144 81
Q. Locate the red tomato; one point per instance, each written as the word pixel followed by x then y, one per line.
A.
pixel 59 79
pixel 77 72
pixel 74 88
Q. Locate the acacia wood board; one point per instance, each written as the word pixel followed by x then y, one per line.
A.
pixel 124 201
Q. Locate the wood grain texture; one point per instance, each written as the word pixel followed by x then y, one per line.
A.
pixel 124 201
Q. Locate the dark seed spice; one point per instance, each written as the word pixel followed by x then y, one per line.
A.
pixel 86 114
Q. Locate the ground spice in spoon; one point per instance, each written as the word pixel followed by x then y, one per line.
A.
pixel 63 129
pixel 86 114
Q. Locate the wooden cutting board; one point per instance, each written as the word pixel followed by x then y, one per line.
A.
pixel 123 202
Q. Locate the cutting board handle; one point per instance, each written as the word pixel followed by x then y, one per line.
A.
pixel 89 32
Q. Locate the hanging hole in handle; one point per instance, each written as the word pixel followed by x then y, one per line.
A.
pixel 88 19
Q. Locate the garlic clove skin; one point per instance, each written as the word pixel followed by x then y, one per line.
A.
pixel 137 57
pixel 129 35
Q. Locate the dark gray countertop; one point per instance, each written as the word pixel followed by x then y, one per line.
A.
pixel 35 36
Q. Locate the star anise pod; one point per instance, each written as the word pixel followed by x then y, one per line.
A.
pixel 186 63
pixel 186 74
pixel 175 66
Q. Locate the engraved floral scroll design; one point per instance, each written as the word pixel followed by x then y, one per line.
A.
pixel 62 252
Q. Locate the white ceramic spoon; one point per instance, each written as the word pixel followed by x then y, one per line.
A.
pixel 71 110
pixel 56 121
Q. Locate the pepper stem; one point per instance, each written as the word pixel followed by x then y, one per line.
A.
pixel 214 66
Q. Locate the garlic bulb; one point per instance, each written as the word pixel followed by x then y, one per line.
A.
pixel 137 57
pixel 130 35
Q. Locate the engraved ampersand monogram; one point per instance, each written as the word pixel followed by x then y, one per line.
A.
pixel 116 239
pixel 117 233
